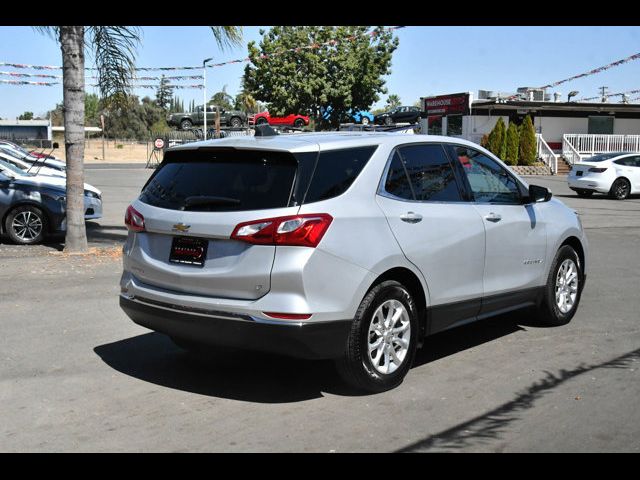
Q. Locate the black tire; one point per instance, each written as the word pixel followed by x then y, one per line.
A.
pixel 356 366
pixel 388 121
pixel 620 189
pixel 186 124
pixel 549 313
pixel 584 193
pixel 298 123
pixel 364 120
pixel 262 121
pixel 32 219
pixel 235 122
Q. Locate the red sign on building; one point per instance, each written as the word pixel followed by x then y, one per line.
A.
pixel 457 103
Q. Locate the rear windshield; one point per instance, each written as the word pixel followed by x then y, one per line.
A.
pixel 217 179
pixel 603 157
pixel 222 180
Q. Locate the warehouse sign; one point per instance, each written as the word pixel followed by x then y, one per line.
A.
pixel 457 103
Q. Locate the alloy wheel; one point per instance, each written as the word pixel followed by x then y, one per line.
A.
pixel 566 286
pixel 389 336
pixel 27 225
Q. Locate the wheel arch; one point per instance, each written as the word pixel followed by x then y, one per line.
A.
pixel 413 283
pixel 576 244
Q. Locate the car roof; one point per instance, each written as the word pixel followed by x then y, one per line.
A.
pixel 314 141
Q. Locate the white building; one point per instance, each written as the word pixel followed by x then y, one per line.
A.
pixel 460 115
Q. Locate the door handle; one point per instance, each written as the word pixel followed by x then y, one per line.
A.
pixel 493 217
pixel 411 217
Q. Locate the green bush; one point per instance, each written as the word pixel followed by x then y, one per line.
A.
pixel 528 148
pixel 513 142
pixel 497 139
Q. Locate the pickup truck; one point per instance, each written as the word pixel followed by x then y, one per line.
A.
pixel 185 121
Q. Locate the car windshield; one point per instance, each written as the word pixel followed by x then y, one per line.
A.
pixel 6 166
pixel 604 156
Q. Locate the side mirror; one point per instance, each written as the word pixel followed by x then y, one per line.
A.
pixel 539 194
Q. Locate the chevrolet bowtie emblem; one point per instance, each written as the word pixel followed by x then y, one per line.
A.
pixel 181 227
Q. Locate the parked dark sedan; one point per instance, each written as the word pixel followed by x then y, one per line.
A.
pixel 398 115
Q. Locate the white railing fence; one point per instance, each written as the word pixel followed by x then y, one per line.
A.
pixel 569 153
pixel 545 153
pixel 587 145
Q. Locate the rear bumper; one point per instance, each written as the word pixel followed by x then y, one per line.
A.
pixel 319 340
pixel 601 185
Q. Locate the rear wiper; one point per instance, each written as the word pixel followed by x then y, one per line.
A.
pixel 203 200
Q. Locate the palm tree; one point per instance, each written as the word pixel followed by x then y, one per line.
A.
pixel 393 101
pixel 114 50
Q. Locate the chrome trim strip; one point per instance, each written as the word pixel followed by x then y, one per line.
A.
pixel 209 313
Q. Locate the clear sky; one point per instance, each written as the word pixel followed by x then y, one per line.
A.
pixel 429 61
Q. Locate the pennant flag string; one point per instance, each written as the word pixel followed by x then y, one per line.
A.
pixel 212 65
pixel 619 94
pixel 41 75
pixel 50 84
pixel 595 70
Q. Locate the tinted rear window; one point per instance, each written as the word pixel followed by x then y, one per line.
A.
pixel 603 157
pixel 335 172
pixel 222 180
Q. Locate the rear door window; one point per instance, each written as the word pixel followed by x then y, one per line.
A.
pixel 397 182
pixel 431 174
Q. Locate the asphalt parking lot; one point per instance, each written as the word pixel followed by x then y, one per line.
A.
pixel 77 375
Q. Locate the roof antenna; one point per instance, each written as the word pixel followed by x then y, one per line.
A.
pixel 264 131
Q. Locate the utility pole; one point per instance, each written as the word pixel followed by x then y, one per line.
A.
pixel 603 93
pixel 204 95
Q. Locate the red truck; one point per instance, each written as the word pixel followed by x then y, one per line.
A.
pixel 292 120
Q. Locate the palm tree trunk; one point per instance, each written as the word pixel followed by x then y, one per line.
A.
pixel 72 45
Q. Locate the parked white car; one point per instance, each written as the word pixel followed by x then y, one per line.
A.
pixel 25 156
pixel 35 168
pixel 616 174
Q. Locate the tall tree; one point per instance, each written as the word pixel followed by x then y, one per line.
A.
pixel 393 101
pixel 300 69
pixel 26 116
pixel 528 148
pixel 114 50
pixel 164 94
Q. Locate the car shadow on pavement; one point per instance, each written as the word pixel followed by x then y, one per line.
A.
pixel 100 234
pixel 224 373
pixel 52 242
pixel 268 378
pixel 597 196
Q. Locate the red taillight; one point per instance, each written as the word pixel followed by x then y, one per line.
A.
pixel 134 220
pixel 296 230
pixel 288 316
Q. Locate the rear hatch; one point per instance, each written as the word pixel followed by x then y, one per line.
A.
pixel 191 206
pixel 581 169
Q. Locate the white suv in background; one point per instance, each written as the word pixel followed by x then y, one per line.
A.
pixel 351 246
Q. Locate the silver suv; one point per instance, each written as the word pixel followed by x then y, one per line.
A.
pixel 351 246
